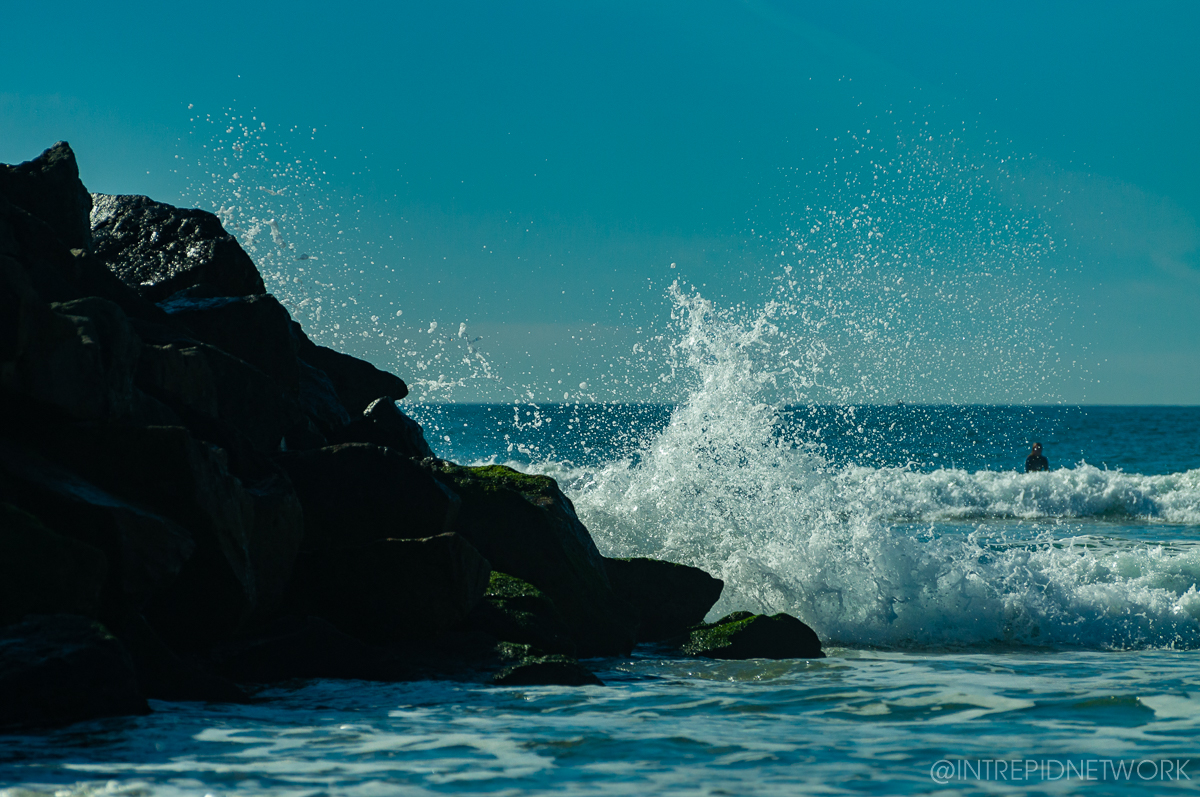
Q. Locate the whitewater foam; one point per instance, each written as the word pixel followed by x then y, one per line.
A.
pixel 722 489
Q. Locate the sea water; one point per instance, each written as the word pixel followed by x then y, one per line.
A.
pixel 986 629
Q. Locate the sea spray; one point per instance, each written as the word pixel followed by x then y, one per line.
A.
pixel 723 489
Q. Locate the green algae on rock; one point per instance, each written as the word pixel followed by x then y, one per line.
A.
pixel 743 635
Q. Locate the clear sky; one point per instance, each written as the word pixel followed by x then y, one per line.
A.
pixel 533 170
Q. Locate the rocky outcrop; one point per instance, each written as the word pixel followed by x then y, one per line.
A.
pixel 743 635
pixel 526 527
pixel 64 668
pixel 157 249
pixel 299 647
pixel 143 551
pixel 183 465
pixel 49 189
pixel 669 598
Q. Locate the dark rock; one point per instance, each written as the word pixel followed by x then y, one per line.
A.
pixel 18 305
pixel 144 551
pixel 162 674
pixel 191 376
pixel 56 669
pixel 358 383
pixel 79 356
pixel 526 527
pixel 392 590
pixel 670 598
pixel 383 424
pixel 60 274
pixel 319 400
pixel 743 635
pixel 48 188
pixel 546 671
pixel 158 249
pixel 42 572
pixel 298 647
pixel 516 611
pixel 256 329
pixel 246 539
pixel 357 493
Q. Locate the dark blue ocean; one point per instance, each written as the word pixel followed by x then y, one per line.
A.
pixel 988 630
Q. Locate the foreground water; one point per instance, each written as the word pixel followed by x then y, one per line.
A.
pixel 990 629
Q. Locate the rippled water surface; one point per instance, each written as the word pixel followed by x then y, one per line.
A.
pixel 857 722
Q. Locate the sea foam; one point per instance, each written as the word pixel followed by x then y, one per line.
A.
pixel 719 488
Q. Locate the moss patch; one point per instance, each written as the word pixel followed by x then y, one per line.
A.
pixel 713 636
pixel 502 585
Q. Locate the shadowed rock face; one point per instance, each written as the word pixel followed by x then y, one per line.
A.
pixel 358 383
pixel 48 188
pixel 158 249
pixel 256 329
pixel 393 590
pixel 669 598
pixel 383 424
pixel 42 572
pixel 64 668
pixel 357 493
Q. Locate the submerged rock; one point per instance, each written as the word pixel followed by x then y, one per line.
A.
pixel 669 598
pixel 546 671
pixel 64 668
pixel 743 635
pixel 158 249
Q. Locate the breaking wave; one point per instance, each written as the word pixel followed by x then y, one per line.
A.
pixel 844 549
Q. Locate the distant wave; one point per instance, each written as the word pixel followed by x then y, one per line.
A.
pixel 1080 492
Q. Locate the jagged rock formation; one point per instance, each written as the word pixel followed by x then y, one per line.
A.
pixel 196 494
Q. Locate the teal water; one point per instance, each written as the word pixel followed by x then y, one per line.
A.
pixel 976 616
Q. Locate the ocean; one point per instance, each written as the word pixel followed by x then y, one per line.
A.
pixel 987 630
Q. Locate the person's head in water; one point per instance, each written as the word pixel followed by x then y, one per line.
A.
pixel 1035 461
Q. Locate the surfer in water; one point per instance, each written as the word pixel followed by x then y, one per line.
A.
pixel 1035 461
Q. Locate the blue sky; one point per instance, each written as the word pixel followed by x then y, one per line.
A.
pixel 533 170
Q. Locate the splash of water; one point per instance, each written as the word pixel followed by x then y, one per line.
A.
pixel 724 489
